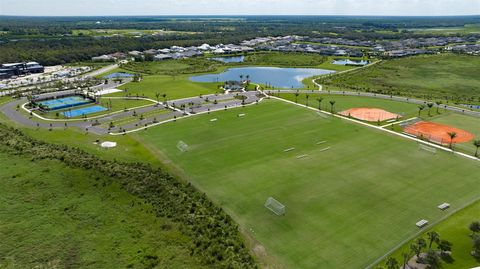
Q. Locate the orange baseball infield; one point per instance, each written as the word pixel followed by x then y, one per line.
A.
pixel 369 114
pixel 438 132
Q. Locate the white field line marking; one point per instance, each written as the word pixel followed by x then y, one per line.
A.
pixel 325 149
pixel 184 117
pixel 290 149
pixel 382 129
pixel 398 122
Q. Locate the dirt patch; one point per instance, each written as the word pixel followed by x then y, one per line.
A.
pixel 438 132
pixel 369 114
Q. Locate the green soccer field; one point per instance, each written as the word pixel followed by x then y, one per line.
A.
pixel 346 206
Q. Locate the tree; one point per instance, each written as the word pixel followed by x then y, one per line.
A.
pixel 296 97
pixel 476 143
pixel 474 227
pixel 420 108
pixel 452 136
pixel 430 105
pixel 332 103
pixel 433 260
pixel 406 257
pixel 432 237
pixel 444 246
pixel 320 99
pixel 418 246
pixel 476 245
pixel 307 96
pixel 164 98
pixel 439 103
pixel 392 263
pixel 157 95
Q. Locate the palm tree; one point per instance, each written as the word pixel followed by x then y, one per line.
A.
pixel 433 260
pixel 430 105
pixel 476 246
pixel 164 98
pixel 157 94
pixel 406 257
pixel 444 246
pixel 296 97
pixel 307 96
pixel 439 103
pixel 392 263
pixel 241 77
pixel 320 99
pixel 432 237
pixel 332 103
pixel 474 227
pixel 417 246
pixel 452 136
pixel 476 143
pixel 420 108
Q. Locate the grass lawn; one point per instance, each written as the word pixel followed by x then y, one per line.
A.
pixel 128 149
pixel 58 217
pixel 175 87
pixel 285 59
pixel 173 67
pixel 346 206
pixel 429 75
pixel 465 122
pixel 344 102
pixel 454 229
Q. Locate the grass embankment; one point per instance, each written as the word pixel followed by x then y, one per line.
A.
pixel 54 216
pixel 346 206
pixel 427 76
pixel 215 239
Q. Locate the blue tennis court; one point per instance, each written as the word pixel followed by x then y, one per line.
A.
pixel 65 102
pixel 83 111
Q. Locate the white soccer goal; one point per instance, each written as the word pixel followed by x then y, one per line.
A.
pixel 427 148
pixel 275 206
pixel 182 146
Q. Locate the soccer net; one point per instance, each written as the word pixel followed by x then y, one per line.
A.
pixel 275 206
pixel 182 146
pixel 427 148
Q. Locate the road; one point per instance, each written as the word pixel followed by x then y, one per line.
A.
pixel 101 70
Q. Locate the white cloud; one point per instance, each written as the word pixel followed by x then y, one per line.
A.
pixel 246 7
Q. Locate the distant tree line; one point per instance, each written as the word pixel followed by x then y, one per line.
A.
pixel 216 237
pixel 51 40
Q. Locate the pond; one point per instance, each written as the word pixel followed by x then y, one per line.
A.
pixel 119 75
pixel 229 59
pixel 350 62
pixel 274 76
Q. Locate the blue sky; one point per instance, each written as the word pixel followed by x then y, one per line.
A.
pixel 239 7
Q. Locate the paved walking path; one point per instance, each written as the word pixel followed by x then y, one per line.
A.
pixel 156 113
